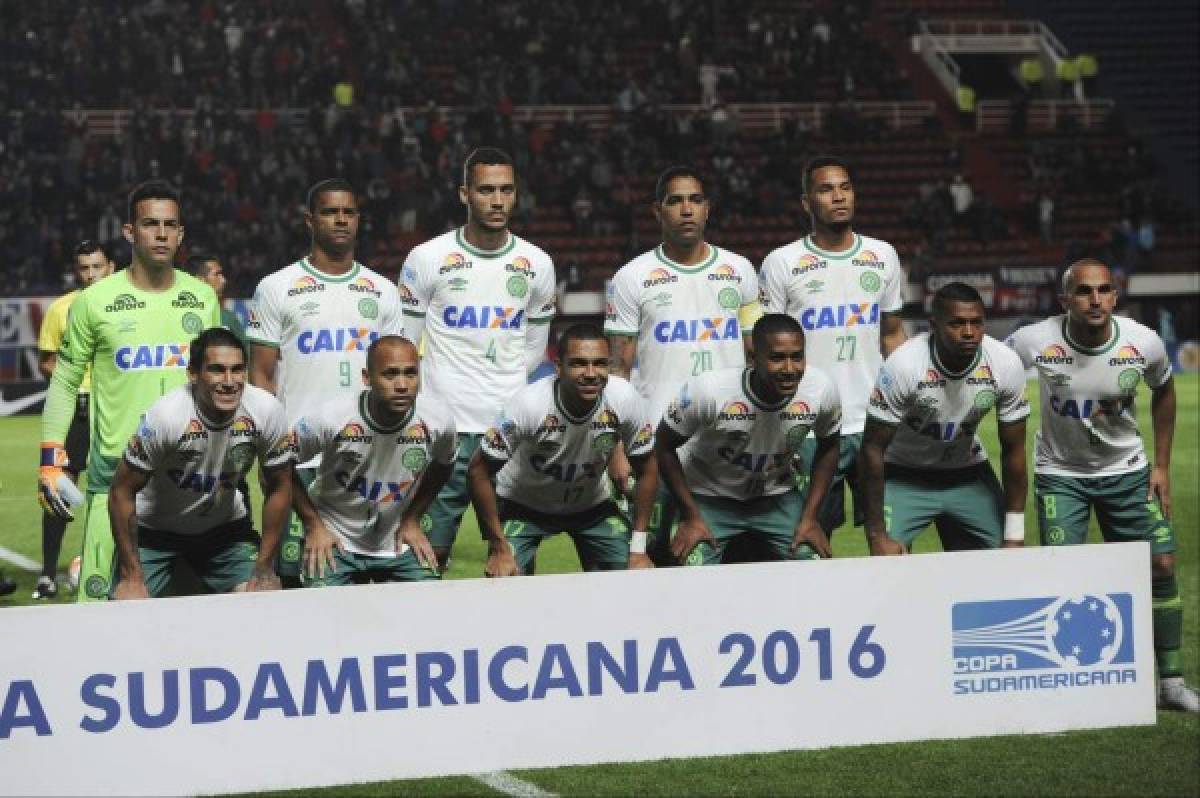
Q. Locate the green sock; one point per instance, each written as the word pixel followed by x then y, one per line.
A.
pixel 1168 624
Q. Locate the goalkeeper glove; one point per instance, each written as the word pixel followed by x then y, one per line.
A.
pixel 56 491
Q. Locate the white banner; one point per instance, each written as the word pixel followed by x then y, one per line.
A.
pixel 319 687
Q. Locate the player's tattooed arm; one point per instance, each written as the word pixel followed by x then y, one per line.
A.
pixel 263 360
pixel 277 500
pixel 623 348
pixel 891 333
pixel 809 529
pixel 481 474
pixel 692 529
pixel 1162 416
pixel 122 515
pixel 876 438
pixel 410 533
pixel 319 542
pixel 1013 474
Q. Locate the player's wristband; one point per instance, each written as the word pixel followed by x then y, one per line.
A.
pixel 637 542
pixel 1014 527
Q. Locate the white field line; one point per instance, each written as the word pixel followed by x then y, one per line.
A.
pixel 509 784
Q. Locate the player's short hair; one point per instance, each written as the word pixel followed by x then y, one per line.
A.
pixel 583 331
pixel 485 156
pixel 954 292
pixel 213 336
pixel 820 162
pixel 197 263
pixel 324 187
pixel 87 246
pixel 1065 284
pixel 773 324
pixel 385 340
pixel 151 189
pixel 672 172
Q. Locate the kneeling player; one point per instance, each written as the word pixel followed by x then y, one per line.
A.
pixel 549 454
pixel 385 454
pixel 931 395
pixel 745 427
pixel 175 493
pixel 1089 452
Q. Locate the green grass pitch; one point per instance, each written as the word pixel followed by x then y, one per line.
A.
pixel 1159 760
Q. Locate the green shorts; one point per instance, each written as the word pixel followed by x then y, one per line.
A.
pixel 291 548
pixel 967 505
pixel 833 511
pixel 99 551
pixel 601 535
pixel 1064 507
pixel 361 569
pixel 446 511
pixel 222 558
pixel 770 521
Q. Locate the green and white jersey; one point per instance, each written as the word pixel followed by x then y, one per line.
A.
pixel 475 307
pixel 554 462
pixel 685 318
pixel 740 447
pixel 136 343
pixel 368 472
pixel 322 326
pixel 936 411
pixel 195 465
pixel 838 298
pixel 1088 425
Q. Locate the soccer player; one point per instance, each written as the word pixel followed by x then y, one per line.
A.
pixel 484 299
pixel 207 268
pixel 845 289
pixel 314 320
pixel 175 497
pixel 384 455
pixel 682 308
pixel 931 396
pixel 745 427
pixel 548 453
pixel 91 265
pixel 1089 452
pixel 133 329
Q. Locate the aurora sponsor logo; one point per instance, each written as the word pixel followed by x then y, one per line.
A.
pixel 932 380
pixel 243 427
pixel 306 285
pixel 981 376
pixel 124 302
pixel 659 276
pixel 521 266
pixel 195 432
pixel 807 264
pixel 1127 355
pixel 187 299
pixel 725 272
pixel 354 433
pixel 454 262
pixel 365 285
pixel 736 411
pixel 798 411
pixel 415 433
pixel 868 259
pixel 1056 354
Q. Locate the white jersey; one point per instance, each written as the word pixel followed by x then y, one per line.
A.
pixel 322 326
pixel 685 318
pixel 555 463
pixel 368 474
pixel 936 411
pixel 1088 425
pixel 740 447
pixel 838 298
pixel 475 305
pixel 195 465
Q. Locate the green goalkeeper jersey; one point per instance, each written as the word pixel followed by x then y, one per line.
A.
pixel 136 343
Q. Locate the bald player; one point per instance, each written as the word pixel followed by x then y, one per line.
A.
pixel 384 455
pixel 1089 452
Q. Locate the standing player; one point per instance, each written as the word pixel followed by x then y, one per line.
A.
pixel 845 289
pixel 207 268
pixel 682 308
pixel 313 320
pixel 91 265
pixel 133 329
pixel 384 455
pixel 549 454
pixel 175 493
pixel 931 396
pixel 1089 452
pixel 745 427
pixel 484 298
